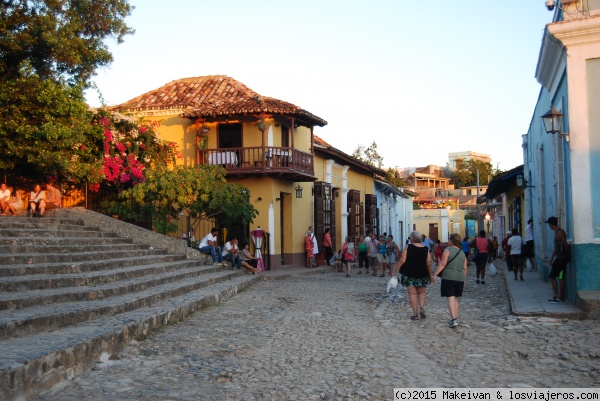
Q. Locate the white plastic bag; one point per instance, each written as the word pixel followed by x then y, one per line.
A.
pixel 392 283
pixel 529 266
pixel 492 270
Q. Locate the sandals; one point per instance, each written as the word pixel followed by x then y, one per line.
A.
pixel 414 317
pixel 382 275
pixel 422 314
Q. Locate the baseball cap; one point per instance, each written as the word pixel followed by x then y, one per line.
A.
pixel 552 220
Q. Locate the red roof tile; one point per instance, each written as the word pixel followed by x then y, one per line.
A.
pixel 214 96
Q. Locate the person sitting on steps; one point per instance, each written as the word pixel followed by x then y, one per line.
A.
pixel 208 246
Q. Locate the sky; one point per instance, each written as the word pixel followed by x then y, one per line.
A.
pixel 419 78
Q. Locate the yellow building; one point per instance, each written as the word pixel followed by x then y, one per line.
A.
pixel 265 144
pixel 344 195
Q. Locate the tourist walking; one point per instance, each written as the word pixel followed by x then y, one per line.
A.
pixel 348 254
pixel 453 271
pixel 363 255
pixel 391 249
pixel 466 248
pixel 309 247
pixel 481 245
pixel 561 255
pixel 382 254
pixel 415 269
pixel 328 245
pixel 528 253
pixel 373 252
pixel 515 249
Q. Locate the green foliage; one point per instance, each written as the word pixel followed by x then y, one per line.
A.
pixel 46 130
pixel 196 191
pixel 393 177
pixel 369 155
pixel 465 173
pixel 59 40
pixel 49 52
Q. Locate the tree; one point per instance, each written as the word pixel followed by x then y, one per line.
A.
pixel 198 191
pixel 393 177
pixel 465 173
pixel 59 39
pixel 369 155
pixel 49 52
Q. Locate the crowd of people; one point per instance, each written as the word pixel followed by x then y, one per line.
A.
pixel 36 202
pixel 415 263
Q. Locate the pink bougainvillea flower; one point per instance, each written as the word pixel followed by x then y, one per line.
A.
pixel 120 147
pixel 82 147
pixel 143 129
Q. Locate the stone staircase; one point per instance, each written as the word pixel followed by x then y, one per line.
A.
pixel 70 292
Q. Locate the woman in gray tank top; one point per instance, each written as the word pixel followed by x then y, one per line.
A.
pixel 453 271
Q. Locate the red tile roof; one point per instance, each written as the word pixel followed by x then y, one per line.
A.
pixel 321 141
pixel 216 96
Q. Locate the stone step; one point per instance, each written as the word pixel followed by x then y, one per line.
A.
pixel 26 221
pixel 47 225
pixel 30 364
pixel 90 278
pixel 30 298
pixel 40 232
pixel 88 255
pixel 20 322
pixel 60 241
pixel 79 267
pixel 68 247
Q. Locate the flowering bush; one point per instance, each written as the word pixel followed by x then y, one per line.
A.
pixel 130 146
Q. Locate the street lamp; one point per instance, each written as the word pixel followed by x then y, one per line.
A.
pixel 522 182
pixel 553 123
pixel 487 219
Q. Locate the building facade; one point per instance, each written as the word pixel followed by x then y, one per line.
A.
pixel 563 168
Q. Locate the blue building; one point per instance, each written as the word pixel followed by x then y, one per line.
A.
pixel 562 157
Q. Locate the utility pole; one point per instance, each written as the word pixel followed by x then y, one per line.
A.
pixel 479 219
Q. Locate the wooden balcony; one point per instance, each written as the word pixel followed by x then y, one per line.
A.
pixel 285 163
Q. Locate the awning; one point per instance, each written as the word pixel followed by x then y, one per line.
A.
pixel 500 184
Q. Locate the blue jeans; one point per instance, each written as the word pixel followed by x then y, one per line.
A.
pixel 236 261
pixel 214 251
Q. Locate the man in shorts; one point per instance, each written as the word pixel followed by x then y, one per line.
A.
pixel 559 259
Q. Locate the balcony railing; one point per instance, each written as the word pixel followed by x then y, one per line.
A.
pixel 288 163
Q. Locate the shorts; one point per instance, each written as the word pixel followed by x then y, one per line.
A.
pixel 391 258
pixel 528 250
pixel 558 269
pixel 452 288
pixel 414 281
pixel 381 258
pixel 373 261
pixel 516 261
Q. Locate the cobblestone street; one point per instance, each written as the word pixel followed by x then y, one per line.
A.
pixel 327 337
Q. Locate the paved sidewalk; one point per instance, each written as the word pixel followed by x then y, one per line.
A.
pixel 528 297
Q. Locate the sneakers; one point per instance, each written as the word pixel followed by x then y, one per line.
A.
pixel 477 281
pixel 422 314
pixel 414 317
pixel 482 281
pixel 347 276
pixel 453 323
pixel 556 300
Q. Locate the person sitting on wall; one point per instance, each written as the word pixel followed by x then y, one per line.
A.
pixel 37 204
pixel 15 203
pixel 209 246
pixel 4 198
pixel 53 196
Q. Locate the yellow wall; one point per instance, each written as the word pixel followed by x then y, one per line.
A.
pixel 298 211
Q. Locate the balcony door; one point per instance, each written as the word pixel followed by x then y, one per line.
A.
pixel 230 136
